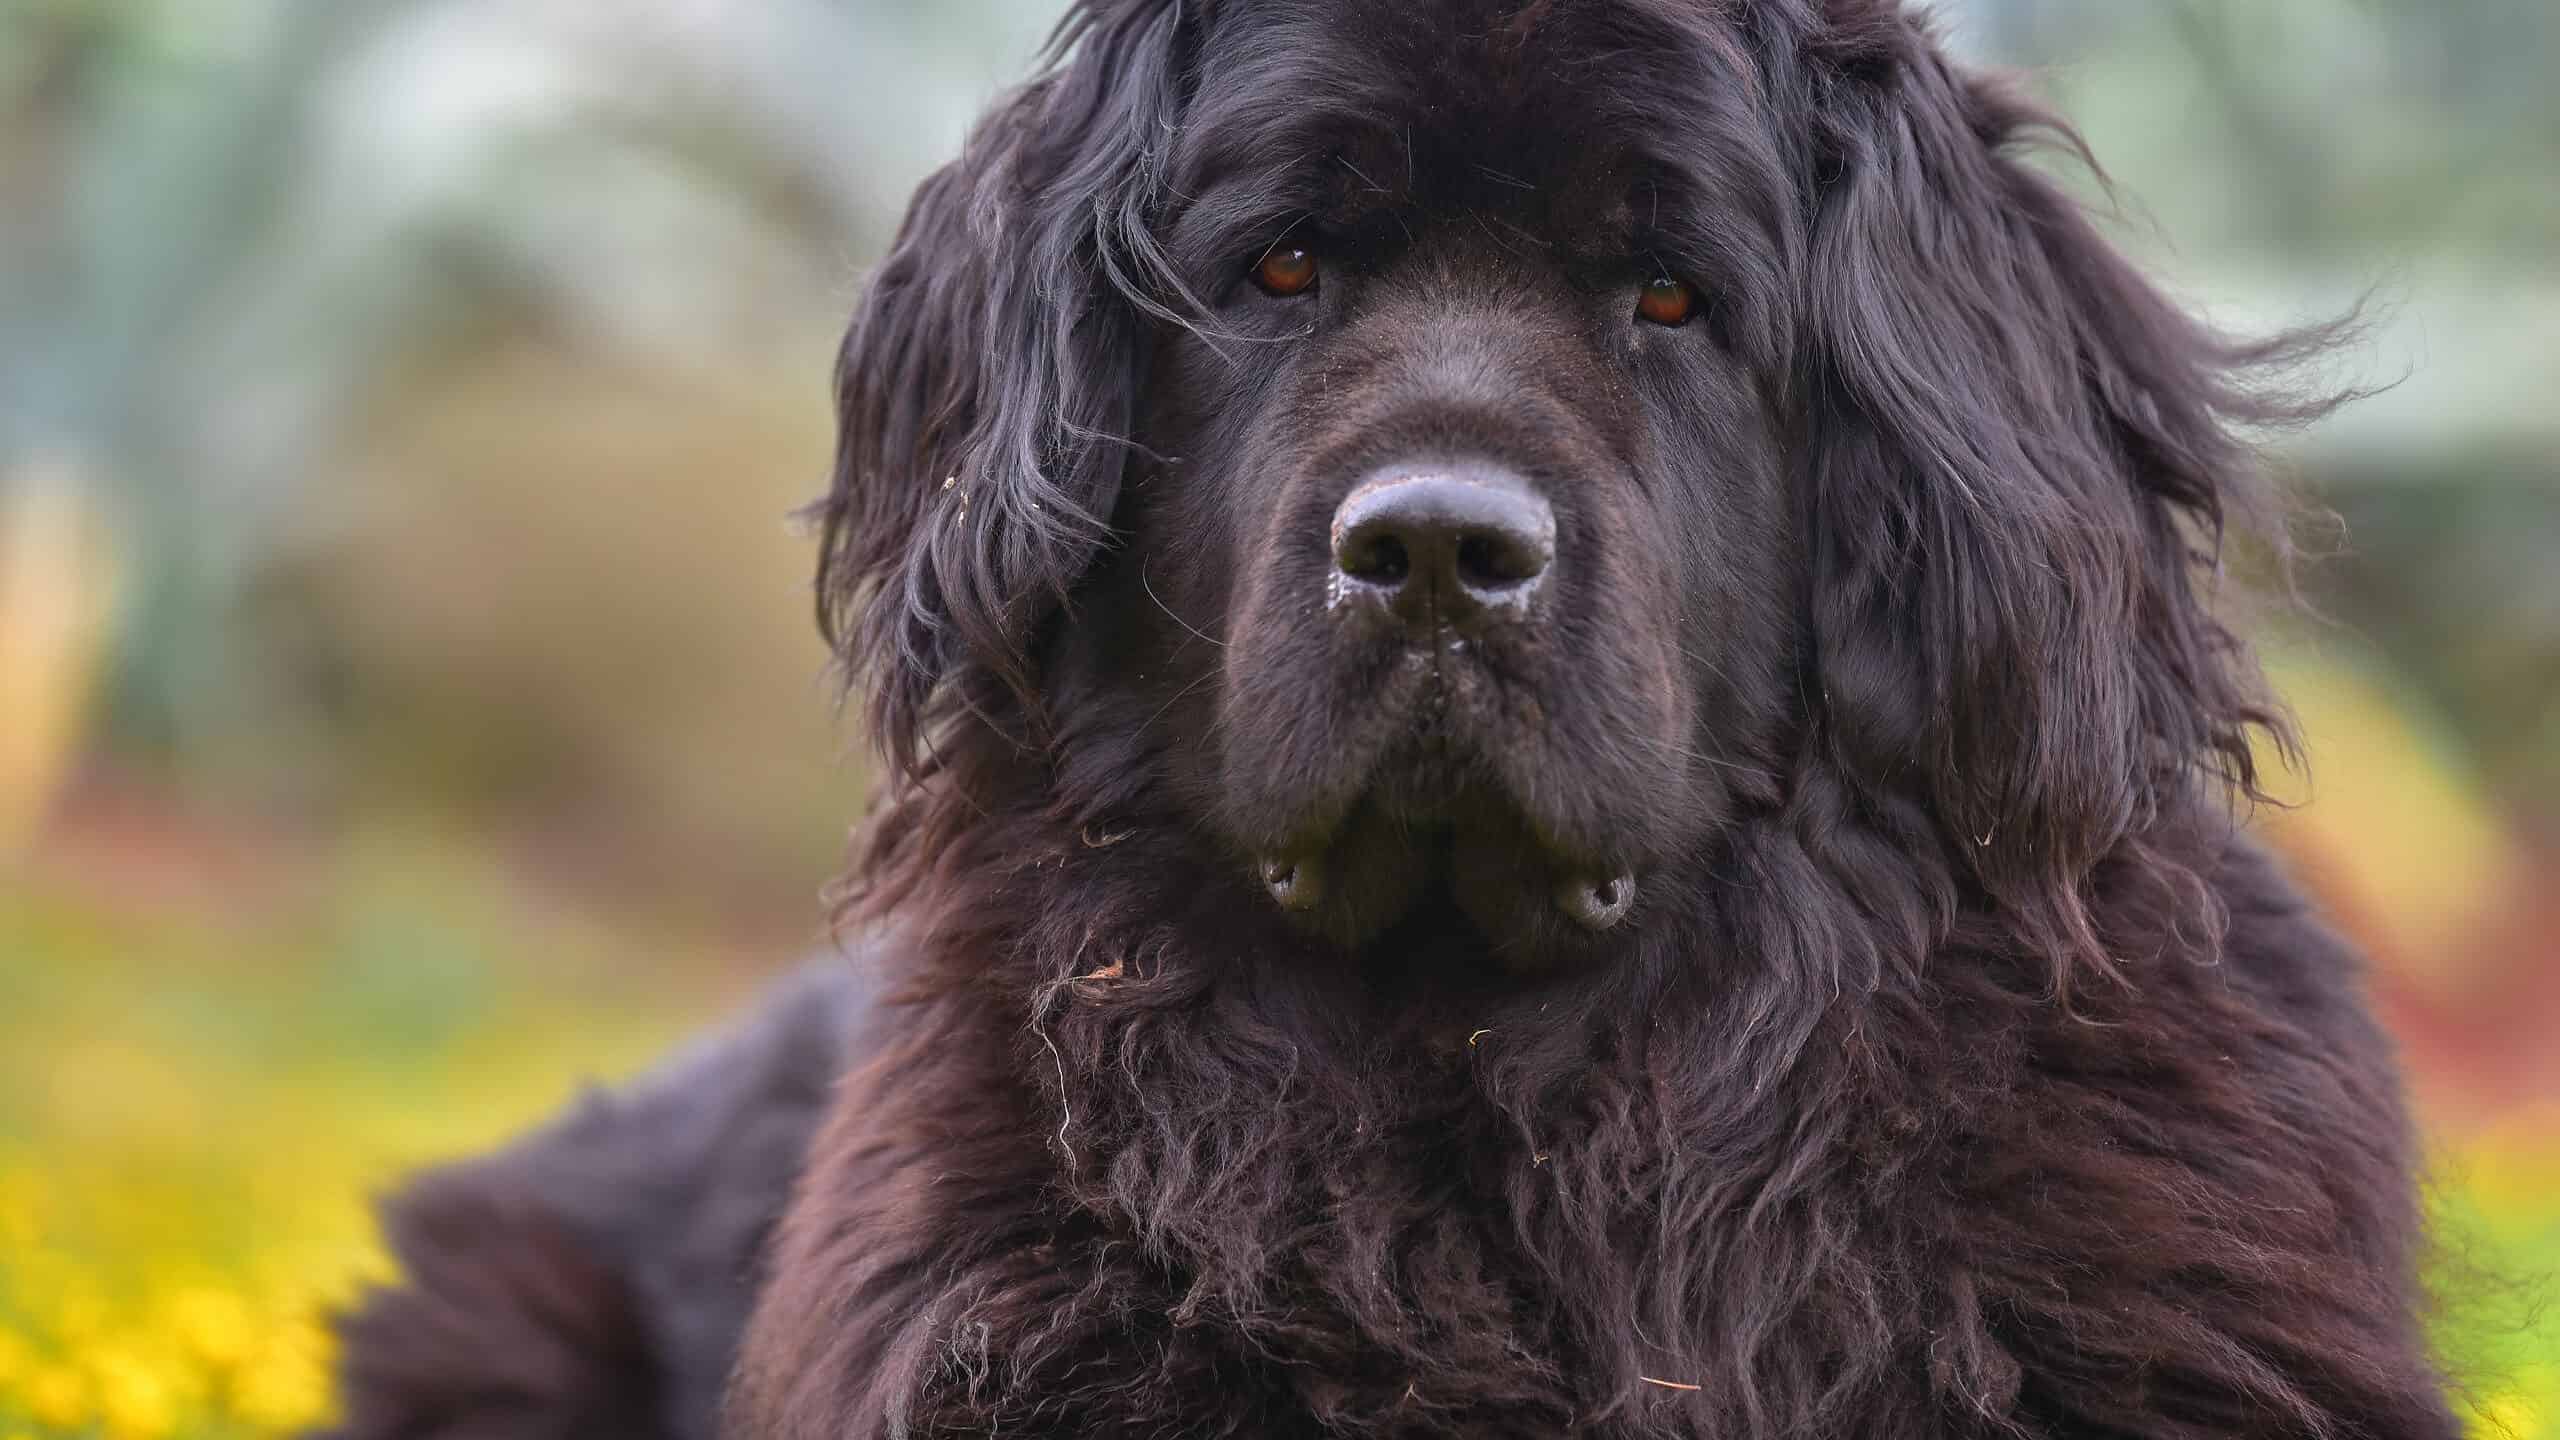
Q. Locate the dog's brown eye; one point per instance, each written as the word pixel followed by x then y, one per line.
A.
pixel 1286 270
pixel 1667 302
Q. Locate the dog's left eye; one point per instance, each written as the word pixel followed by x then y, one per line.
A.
pixel 1286 270
pixel 1667 302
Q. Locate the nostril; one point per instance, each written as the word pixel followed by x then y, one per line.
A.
pixel 1497 560
pixel 1379 558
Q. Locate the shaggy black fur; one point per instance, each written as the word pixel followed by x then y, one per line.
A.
pixel 592 1279
pixel 1959 1071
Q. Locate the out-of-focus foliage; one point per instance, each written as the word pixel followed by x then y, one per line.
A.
pixel 2320 132
pixel 373 331
pixel 2290 160
pixel 407 697
pixel 213 1056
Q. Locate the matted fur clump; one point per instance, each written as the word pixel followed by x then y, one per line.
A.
pixel 1562 764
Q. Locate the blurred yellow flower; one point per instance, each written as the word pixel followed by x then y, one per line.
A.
pixel 133 1399
pixel 58 1396
pixel 285 1390
pixel 213 1325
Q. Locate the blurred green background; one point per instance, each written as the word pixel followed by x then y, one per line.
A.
pixel 408 703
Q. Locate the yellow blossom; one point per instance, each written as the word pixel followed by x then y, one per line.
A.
pixel 133 1399
pixel 284 1389
pixel 213 1325
pixel 58 1396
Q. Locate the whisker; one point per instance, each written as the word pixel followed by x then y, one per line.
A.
pixel 1523 234
pixel 1149 586
pixel 1345 162
pixel 1205 677
pixel 1713 668
pixel 1751 770
pixel 1668 747
pixel 1497 239
pixel 1300 219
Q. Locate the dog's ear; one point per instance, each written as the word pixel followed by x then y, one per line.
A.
pixel 2023 465
pixel 986 386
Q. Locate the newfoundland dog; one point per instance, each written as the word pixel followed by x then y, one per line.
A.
pixel 1563 760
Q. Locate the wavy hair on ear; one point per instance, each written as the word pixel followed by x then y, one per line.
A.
pixel 2024 466
pixel 986 388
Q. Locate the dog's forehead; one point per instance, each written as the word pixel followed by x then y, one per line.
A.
pixel 1420 100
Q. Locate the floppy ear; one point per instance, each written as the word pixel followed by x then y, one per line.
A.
pixel 2021 470
pixel 985 389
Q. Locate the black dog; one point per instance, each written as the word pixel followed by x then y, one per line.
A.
pixel 1563 765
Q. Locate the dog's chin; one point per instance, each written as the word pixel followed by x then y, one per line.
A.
pixel 1434 834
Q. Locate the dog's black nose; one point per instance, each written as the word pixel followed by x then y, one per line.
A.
pixel 1445 542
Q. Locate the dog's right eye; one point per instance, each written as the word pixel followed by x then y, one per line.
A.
pixel 1285 270
pixel 1668 303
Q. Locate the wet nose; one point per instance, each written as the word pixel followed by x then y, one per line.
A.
pixel 1445 543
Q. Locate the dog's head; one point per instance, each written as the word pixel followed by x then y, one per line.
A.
pixel 1465 459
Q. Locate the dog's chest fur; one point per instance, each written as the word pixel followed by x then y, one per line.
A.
pixel 1827 1220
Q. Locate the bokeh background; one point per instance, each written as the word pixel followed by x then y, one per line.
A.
pixel 408 702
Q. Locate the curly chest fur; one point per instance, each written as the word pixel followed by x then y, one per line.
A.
pixel 1950 1208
